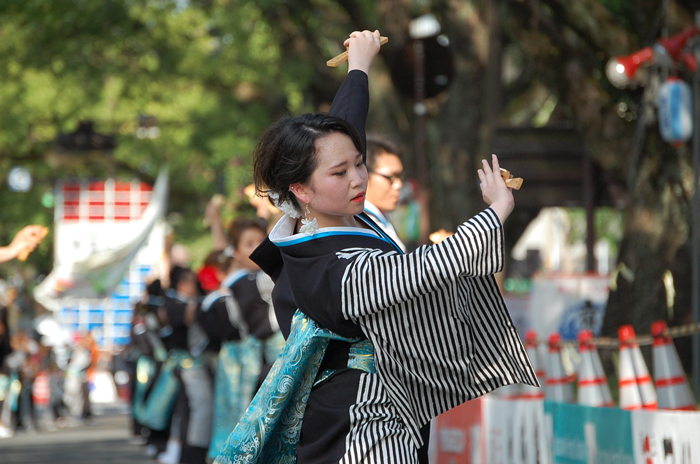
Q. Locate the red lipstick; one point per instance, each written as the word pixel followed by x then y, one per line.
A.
pixel 359 198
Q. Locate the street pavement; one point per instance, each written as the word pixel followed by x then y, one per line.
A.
pixel 102 440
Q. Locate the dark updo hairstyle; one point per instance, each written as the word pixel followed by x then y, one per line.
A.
pixel 377 145
pixel 286 152
pixel 239 226
pixel 218 259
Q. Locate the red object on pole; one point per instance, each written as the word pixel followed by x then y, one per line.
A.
pixel 675 44
pixel 635 60
pixel 689 61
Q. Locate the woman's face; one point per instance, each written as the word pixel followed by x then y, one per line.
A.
pixel 338 185
pixel 249 240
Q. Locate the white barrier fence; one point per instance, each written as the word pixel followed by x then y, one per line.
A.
pixel 499 431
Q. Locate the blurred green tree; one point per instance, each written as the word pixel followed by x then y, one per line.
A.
pixel 212 74
pixel 190 84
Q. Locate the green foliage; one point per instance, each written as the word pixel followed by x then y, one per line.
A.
pixel 213 74
pixel 624 11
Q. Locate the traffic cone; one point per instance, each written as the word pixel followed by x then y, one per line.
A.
pixel 558 385
pixel 592 384
pixel 671 382
pixel 600 373
pixel 636 389
pixel 538 364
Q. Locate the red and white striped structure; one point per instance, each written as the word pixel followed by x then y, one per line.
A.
pixel 89 215
pixel 636 388
pixel 537 360
pixel 102 201
pixel 593 387
pixel 671 383
pixel 558 385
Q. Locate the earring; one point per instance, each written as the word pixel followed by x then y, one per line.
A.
pixel 308 226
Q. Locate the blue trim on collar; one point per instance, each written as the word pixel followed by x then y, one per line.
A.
pixel 213 296
pixel 383 234
pixel 329 233
pixel 381 219
pixel 234 277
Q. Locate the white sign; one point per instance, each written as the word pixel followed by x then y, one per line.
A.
pixel 515 431
pixel 662 437
pixel 568 304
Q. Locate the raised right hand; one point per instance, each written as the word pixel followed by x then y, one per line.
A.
pixel 494 190
pixel 362 48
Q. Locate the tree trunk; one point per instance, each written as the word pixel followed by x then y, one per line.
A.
pixel 656 240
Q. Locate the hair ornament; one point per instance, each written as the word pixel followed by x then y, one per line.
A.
pixel 286 206
pixel 226 253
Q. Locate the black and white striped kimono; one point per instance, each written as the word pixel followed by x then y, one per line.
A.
pixel 439 329
pixel 438 325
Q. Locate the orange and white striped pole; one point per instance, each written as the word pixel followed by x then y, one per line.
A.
pixel 671 383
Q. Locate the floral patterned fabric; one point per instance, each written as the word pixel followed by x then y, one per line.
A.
pixel 270 428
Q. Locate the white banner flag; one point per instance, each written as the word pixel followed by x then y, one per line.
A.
pixel 94 269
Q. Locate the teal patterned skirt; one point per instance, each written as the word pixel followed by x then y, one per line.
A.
pixel 145 374
pixel 237 372
pixel 155 410
pixel 269 430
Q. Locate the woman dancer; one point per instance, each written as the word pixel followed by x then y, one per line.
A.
pixel 380 342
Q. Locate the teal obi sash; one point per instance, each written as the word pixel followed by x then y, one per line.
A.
pixel 269 430
pixel 157 408
pixel 237 373
pixel 145 374
pixel 272 346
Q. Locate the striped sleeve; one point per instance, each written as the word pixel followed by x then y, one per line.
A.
pixel 376 280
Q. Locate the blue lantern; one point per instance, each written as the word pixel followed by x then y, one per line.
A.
pixel 675 111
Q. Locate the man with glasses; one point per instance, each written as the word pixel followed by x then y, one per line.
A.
pixel 384 184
